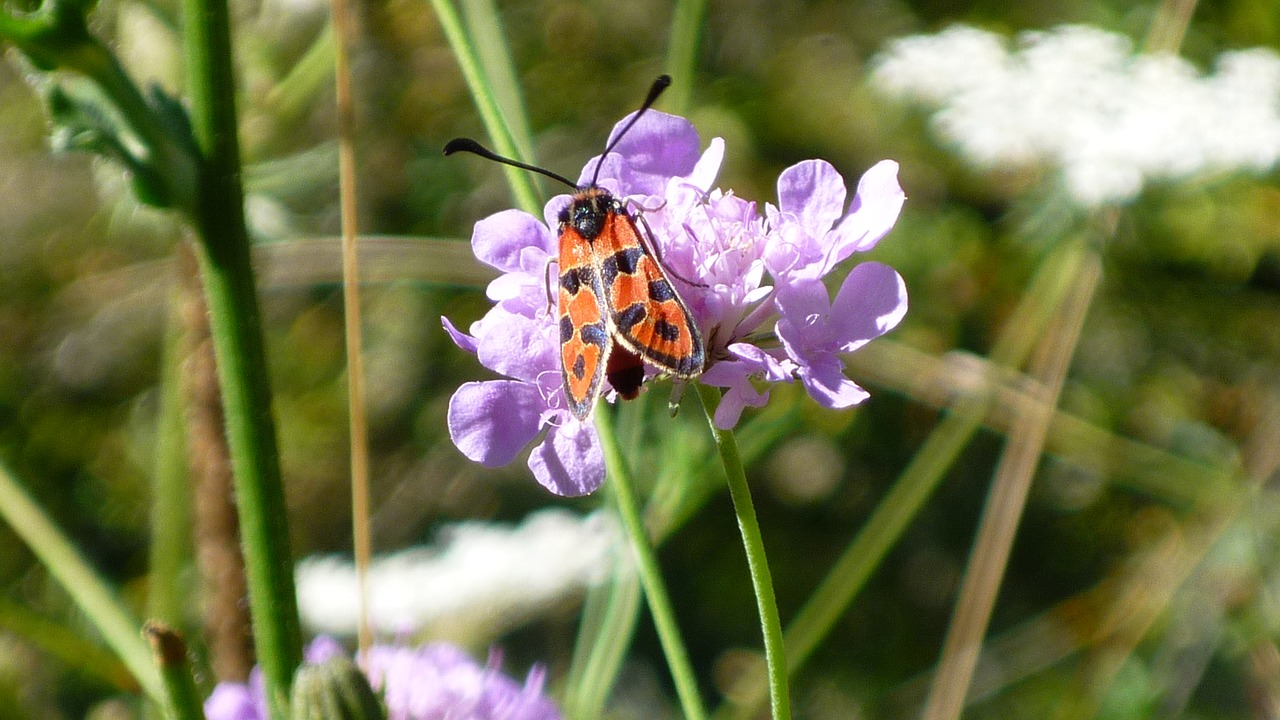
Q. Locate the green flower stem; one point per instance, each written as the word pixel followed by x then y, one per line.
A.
pixel 753 543
pixel 491 114
pixel 236 328
pixel 650 576
pixel 682 53
pixel 183 698
pixel 90 592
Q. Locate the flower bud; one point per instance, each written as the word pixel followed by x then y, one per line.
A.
pixel 334 690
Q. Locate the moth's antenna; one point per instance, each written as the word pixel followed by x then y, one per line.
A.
pixel 475 148
pixel 662 83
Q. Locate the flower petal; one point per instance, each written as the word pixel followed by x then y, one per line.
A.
pixel 517 346
pixel 551 211
pixel 657 148
pixel 502 239
pixel 322 649
pixel 512 285
pixel 814 193
pixel 461 339
pixel 231 701
pixel 569 461
pixel 735 400
pixel 804 311
pixel 708 166
pixel 492 421
pixel 824 378
pixel 870 303
pixel 873 212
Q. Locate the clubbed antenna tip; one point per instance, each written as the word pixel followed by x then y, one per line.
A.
pixel 660 84
pixel 468 145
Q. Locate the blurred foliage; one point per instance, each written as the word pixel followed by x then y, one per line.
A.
pixel 1180 350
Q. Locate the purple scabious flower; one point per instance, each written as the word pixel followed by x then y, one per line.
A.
pixel 441 682
pixel 753 280
pixel 437 681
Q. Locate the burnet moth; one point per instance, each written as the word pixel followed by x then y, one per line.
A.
pixel 617 308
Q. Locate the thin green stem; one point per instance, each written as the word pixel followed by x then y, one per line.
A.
pixel 236 328
pixel 758 564
pixel 655 588
pixel 493 54
pixel 294 95
pixel 682 53
pixel 65 642
pixel 171 496
pixel 609 618
pixel 90 592
pixel 481 86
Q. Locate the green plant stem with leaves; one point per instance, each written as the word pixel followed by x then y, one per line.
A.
pixel 56 37
pixel 195 168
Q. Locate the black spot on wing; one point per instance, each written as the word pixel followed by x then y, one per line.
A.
pixel 594 334
pixel 661 290
pixel 629 317
pixel 666 330
pixel 624 262
pixel 573 279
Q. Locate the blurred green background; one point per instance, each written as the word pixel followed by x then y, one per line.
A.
pixel 1156 592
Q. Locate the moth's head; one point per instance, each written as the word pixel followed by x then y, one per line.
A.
pixel 588 211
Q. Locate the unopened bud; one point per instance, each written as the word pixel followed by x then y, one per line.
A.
pixel 334 690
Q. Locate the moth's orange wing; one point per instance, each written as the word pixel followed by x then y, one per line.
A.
pixel 647 314
pixel 584 328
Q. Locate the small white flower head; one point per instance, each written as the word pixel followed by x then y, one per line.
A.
pixel 1079 98
pixel 478 581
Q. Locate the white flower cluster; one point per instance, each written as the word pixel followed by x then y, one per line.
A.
pixel 478 582
pixel 1078 97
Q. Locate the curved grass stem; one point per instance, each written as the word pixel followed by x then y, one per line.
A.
pixel 655 588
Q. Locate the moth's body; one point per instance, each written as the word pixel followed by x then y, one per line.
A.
pixel 612 288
